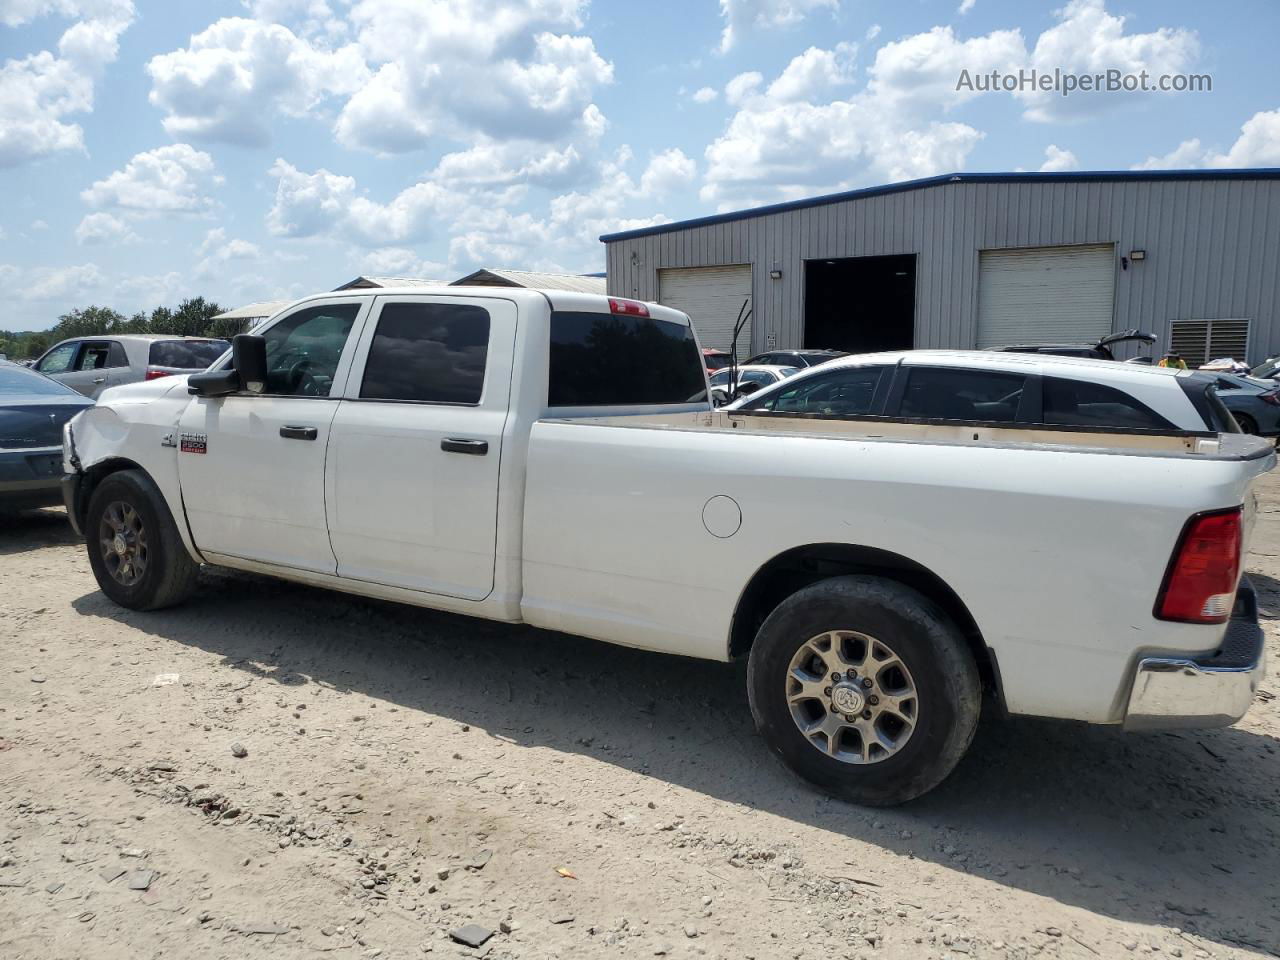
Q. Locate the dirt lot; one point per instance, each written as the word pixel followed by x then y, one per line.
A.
pixel 409 772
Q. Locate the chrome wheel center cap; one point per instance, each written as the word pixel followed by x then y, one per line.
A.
pixel 846 697
pixel 118 545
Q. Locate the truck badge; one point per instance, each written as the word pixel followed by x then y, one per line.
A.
pixel 195 443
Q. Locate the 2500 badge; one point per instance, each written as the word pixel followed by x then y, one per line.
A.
pixel 194 443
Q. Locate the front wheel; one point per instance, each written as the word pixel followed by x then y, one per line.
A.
pixel 865 688
pixel 136 553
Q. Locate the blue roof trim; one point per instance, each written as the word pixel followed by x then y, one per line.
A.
pixel 1094 176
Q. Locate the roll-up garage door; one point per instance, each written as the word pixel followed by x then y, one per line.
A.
pixel 712 297
pixel 1045 295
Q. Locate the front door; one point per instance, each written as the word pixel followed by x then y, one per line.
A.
pixel 98 364
pixel 416 445
pixel 252 465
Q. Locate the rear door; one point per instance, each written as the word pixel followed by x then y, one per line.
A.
pixel 416 446
pixel 98 364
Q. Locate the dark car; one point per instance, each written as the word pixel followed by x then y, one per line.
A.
pixel 33 409
pixel 1255 403
pixel 1099 350
pixel 796 358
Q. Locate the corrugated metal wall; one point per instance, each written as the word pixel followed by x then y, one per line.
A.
pixel 1212 250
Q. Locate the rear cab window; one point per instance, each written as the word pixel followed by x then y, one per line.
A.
pixel 186 354
pixel 606 359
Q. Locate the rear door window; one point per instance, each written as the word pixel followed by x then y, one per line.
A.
pixel 186 354
pixel 94 355
pixel 849 392
pixel 428 353
pixel 604 359
pixel 1079 403
pixel 952 393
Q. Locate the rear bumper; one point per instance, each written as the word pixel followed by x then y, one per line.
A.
pixel 1214 690
pixel 29 478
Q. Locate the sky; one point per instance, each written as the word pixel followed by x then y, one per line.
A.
pixel 262 149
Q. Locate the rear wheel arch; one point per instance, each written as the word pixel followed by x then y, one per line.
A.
pixel 800 567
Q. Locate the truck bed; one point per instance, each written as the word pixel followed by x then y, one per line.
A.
pixel 1200 444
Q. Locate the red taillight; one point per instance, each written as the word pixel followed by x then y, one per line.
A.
pixel 629 308
pixel 154 374
pixel 1271 396
pixel 1200 586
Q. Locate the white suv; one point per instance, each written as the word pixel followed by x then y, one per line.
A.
pixel 998 389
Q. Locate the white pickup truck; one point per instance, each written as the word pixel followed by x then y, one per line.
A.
pixel 551 459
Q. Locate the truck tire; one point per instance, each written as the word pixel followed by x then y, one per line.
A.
pixel 865 688
pixel 137 556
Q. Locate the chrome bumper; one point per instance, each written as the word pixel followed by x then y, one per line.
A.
pixel 1214 690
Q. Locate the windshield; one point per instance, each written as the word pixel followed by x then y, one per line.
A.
pixel 186 354
pixel 16 380
pixel 716 361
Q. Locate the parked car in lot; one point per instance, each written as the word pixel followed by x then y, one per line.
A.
pixel 751 377
pixel 1255 404
pixel 90 365
pixel 797 358
pixel 715 360
pixel 1098 350
pixel 1006 389
pixel 550 458
pixel 1269 369
pixel 33 409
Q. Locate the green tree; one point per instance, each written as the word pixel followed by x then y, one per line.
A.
pixel 194 317
pixel 138 323
pixel 161 321
pixel 89 322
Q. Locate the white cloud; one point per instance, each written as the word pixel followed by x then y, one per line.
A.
pixel 482 227
pixel 217 250
pixel 742 17
pixel 1058 159
pixel 492 163
pixel 811 129
pixel 309 204
pixel 402 262
pixel 814 73
pixel 494 68
pixel 742 86
pixel 1088 39
pixel 102 227
pixel 667 171
pixel 38 93
pixel 59 284
pixel 965 6
pixel 39 225
pixel 231 79
pixel 1257 146
pixel 170 179
pixel 705 94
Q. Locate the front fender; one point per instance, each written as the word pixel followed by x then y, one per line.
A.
pixel 126 432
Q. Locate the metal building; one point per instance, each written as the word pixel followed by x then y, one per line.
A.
pixel 980 260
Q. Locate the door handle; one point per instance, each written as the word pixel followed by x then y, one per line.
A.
pixel 299 433
pixel 477 448
pixel 99 379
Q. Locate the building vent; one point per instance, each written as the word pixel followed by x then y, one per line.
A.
pixel 1199 341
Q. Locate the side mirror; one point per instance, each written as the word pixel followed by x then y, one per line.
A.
pixel 249 357
pixel 248 370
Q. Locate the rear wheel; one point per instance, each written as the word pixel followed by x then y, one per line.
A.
pixel 865 688
pixel 1246 422
pixel 136 553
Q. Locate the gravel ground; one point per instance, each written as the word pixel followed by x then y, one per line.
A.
pixel 407 773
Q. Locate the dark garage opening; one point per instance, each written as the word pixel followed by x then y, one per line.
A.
pixel 860 304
